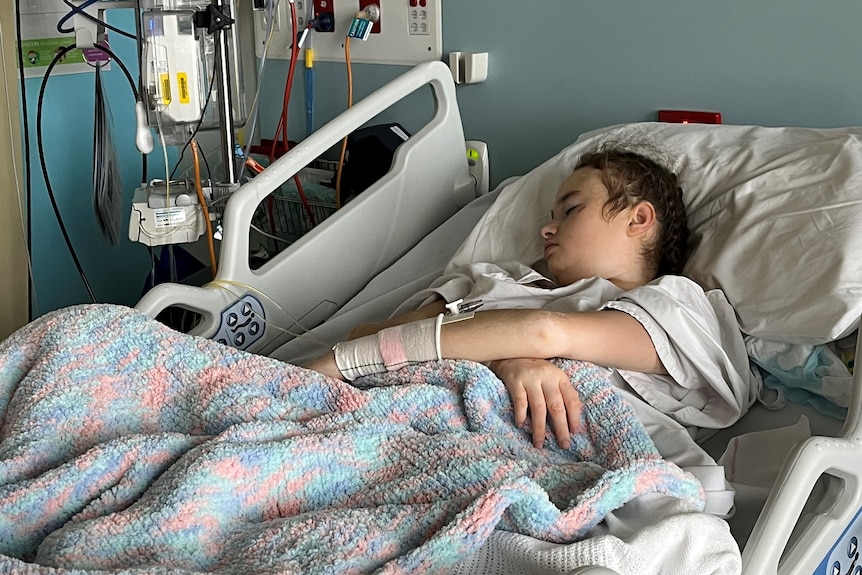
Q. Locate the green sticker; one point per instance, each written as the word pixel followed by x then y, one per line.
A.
pixel 39 52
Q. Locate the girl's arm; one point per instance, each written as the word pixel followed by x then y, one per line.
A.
pixel 609 338
pixel 512 339
pixel 428 310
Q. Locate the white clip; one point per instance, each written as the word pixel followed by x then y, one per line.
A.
pixel 452 307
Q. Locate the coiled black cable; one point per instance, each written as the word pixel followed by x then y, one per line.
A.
pixel 81 10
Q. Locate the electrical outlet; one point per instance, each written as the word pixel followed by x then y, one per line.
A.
pixel 412 32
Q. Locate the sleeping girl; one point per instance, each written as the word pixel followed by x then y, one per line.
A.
pixel 605 292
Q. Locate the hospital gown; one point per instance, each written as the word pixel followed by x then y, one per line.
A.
pixel 710 383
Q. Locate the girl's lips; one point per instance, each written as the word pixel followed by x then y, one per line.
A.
pixel 548 248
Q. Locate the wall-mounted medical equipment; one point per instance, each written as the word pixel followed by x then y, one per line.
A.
pixel 689 117
pixel 405 32
pixel 468 67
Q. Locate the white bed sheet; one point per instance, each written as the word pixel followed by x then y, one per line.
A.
pixel 652 535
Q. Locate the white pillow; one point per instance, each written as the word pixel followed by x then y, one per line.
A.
pixel 775 216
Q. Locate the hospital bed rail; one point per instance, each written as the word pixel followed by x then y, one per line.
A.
pixel 428 182
pixel 816 501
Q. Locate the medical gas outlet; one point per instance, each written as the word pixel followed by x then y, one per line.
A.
pixel 324 16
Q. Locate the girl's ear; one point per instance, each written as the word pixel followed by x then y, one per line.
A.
pixel 642 219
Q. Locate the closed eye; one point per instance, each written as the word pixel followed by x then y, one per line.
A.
pixel 576 207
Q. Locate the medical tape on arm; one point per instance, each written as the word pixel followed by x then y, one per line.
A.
pixel 390 349
pixel 408 343
pixel 358 357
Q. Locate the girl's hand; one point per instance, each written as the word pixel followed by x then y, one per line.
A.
pixel 547 391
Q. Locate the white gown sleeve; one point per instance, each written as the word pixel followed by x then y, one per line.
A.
pixel 503 284
pixel 710 382
pixel 449 287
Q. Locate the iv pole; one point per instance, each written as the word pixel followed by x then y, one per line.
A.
pixel 219 25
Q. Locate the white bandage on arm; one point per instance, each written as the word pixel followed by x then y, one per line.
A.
pixel 390 349
pixel 358 357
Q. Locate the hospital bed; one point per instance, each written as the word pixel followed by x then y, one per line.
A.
pixel 749 190
pixel 775 215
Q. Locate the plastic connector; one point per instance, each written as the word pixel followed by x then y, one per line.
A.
pixel 360 28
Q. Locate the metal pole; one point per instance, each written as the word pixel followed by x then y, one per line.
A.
pixel 225 106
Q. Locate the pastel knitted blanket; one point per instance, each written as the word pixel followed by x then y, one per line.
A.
pixel 127 447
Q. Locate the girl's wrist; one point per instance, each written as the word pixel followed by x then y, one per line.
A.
pixel 325 364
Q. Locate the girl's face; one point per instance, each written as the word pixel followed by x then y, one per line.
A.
pixel 580 240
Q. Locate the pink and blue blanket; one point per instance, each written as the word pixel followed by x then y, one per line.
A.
pixel 127 447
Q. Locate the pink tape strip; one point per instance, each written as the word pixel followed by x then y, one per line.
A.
pixel 391 343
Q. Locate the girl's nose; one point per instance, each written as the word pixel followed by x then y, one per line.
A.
pixel 548 230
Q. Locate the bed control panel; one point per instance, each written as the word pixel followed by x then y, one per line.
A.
pixel 844 557
pixel 242 323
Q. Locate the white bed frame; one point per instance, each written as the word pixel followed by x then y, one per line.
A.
pixel 801 530
pixel 429 181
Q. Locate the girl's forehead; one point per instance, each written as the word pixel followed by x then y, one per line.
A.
pixel 586 180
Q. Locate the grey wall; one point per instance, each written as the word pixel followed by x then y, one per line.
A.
pixel 562 67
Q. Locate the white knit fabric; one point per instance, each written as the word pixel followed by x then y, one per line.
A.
pixel 652 535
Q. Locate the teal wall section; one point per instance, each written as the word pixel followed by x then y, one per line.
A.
pixel 558 68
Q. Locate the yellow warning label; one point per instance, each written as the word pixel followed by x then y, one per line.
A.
pixel 166 88
pixel 183 86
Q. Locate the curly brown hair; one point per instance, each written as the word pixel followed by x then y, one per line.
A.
pixel 630 178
